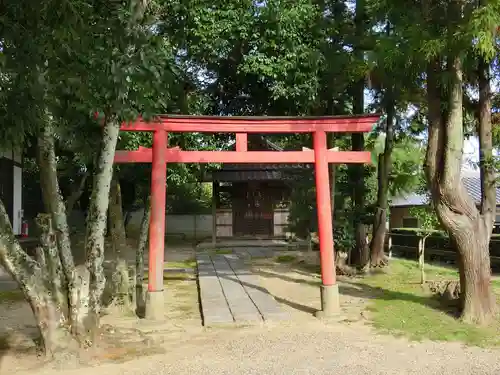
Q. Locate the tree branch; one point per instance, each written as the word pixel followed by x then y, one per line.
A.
pixel 435 143
pixel 486 162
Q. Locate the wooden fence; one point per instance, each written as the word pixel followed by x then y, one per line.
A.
pixel 404 243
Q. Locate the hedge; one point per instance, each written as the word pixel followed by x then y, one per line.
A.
pixel 439 240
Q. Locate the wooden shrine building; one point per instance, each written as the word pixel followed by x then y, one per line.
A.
pixel 252 200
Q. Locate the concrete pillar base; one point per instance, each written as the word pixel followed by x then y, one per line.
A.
pixel 330 303
pixel 155 305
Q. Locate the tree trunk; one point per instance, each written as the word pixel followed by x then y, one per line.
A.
pixel 54 202
pixel 486 160
pixel 377 246
pixel 50 307
pixel 40 284
pixel 421 258
pixel 455 209
pixel 361 254
pixel 478 300
pixel 139 260
pixel 75 283
pixel 96 219
pixel 120 277
pixel 76 194
pixel 48 259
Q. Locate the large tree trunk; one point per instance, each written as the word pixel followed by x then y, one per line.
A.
pixel 97 218
pixel 468 229
pixel 73 285
pixel 49 260
pixel 40 282
pixel 361 253
pixel 478 301
pixel 50 306
pixel 377 246
pixel 54 202
pixel 120 277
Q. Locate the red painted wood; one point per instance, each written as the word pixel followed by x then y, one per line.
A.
pixel 160 155
pixel 348 124
pixel 158 205
pixel 241 141
pixel 324 208
pixel 144 155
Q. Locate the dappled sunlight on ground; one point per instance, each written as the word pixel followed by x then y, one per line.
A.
pixel 391 301
pixel 298 290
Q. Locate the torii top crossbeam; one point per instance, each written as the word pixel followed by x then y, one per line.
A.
pixel 241 126
pixel 262 124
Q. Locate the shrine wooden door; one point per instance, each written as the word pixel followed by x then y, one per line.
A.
pixel 253 212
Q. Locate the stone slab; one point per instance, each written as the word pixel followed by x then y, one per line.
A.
pixel 241 306
pixel 262 299
pixel 231 293
pixel 214 307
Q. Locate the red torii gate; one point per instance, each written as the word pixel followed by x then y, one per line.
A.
pixel 160 154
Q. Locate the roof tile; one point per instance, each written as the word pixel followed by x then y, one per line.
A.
pixel 472 184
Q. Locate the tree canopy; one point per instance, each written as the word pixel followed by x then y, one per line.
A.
pixel 72 71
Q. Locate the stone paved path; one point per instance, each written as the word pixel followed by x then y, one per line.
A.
pixel 253 252
pixel 231 294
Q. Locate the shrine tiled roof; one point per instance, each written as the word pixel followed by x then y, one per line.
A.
pixel 471 181
pixel 258 172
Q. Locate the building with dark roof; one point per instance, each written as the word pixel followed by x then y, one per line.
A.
pixel 400 206
pixel 252 199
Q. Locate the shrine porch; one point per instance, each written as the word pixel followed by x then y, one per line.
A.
pixel 243 244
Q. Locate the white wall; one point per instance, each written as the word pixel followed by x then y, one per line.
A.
pixel 189 225
pixel 17 189
pixel 201 225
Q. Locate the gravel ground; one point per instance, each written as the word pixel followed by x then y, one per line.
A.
pixel 302 346
pixel 312 348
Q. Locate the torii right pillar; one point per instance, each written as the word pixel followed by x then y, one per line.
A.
pixel 330 304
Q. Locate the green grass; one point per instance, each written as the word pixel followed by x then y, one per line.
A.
pixel 11 295
pixel 403 307
pixel 223 251
pixel 189 263
pixel 172 276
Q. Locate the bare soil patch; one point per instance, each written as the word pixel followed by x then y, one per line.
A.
pixel 123 336
pixel 293 280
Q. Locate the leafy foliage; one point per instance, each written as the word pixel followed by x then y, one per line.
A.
pixel 426 217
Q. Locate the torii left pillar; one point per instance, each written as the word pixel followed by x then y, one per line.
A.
pixel 154 299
